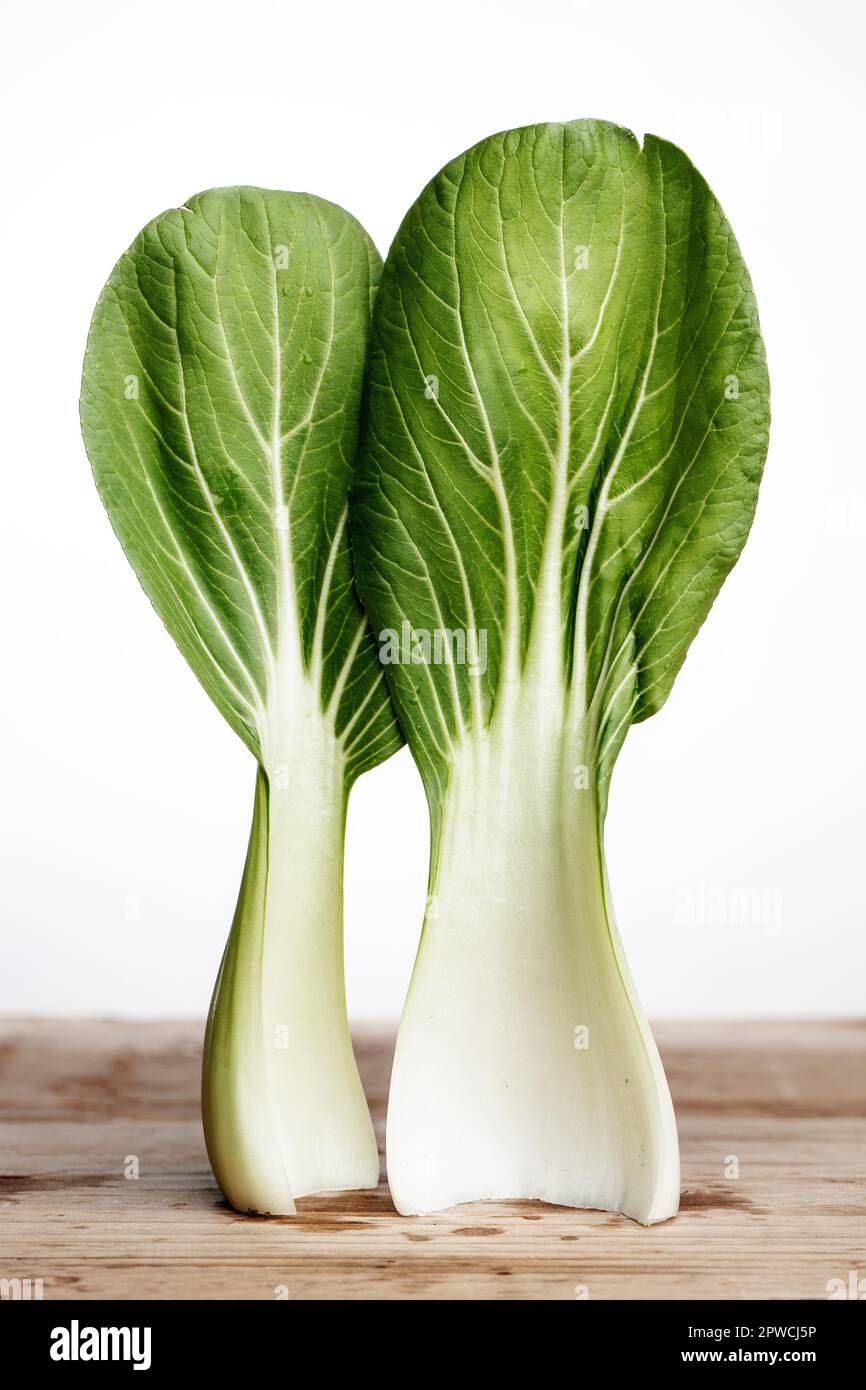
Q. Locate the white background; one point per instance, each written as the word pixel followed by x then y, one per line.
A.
pixel 126 800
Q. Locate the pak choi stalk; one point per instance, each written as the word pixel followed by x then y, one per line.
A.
pixel 220 408
pixel 565 427
pixel 525 1067
pixel 278 1058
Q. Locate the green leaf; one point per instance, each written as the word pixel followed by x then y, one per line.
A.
pixel 567 422
pixel 219 408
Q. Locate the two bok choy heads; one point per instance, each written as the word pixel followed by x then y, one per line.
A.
pixel 220 403
pixel 566 427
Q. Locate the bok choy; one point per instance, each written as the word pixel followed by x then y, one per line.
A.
pixel 219 407
pixel 565 429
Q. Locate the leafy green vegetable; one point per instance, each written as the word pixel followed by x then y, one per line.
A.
pixel 567 422
pixel 219 407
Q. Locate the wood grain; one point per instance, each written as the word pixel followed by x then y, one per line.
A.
pixel 786 1099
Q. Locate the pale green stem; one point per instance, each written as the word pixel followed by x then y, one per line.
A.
pixel 283 1109
pixel 525 1067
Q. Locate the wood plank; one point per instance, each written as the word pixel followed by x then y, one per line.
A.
pixel 78 1097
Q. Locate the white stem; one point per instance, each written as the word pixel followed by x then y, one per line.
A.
pixel 490 1095
pixel 284 1112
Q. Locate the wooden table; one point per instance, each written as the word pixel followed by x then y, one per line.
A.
pixel 77 1098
